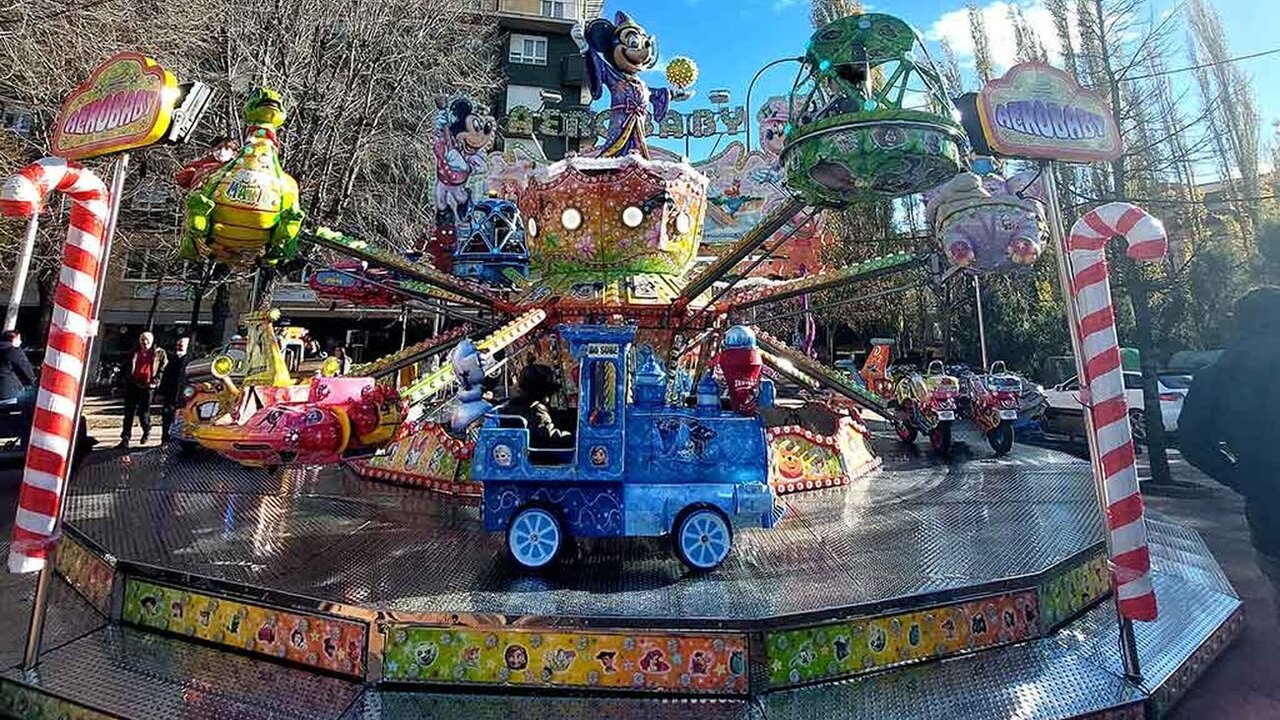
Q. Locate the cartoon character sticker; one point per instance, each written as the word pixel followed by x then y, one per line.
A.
pixel 502 456
pixel 608 660
pixel 462 140
pixel 599 456
pixel 655 661
pixel 516 657
pixel 426 653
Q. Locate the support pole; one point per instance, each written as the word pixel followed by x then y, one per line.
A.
pixel 1128 643
pixel 40 604
pixel 982 328
pixel 20 279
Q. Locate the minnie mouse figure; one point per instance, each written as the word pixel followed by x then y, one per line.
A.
pixel 615 53
pixel 462 140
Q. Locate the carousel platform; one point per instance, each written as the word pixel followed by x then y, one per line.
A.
pixel 975 588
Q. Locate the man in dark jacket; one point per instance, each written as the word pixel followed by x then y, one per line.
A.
pixel 172 381
pixel 1226 426
pixel 16 375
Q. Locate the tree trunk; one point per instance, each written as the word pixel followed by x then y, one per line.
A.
pixel 1157 453
pixel 45 286
pixel 155 305
pixel 221 310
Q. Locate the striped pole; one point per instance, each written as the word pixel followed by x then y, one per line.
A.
pixel 74 322
pixel 1095 328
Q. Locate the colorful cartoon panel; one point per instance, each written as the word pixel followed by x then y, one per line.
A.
pixel 426 455
pixel 86 572
pixel 324 643
pixel 864 644
pixel 524 657
pixel 20 701
pixel 800 459
pixel 1065 595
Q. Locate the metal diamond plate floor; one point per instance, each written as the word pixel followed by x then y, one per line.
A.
pixel 130 673
pixel 69 616
pixel 915 527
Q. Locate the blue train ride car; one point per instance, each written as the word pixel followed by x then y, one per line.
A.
pixel 638 468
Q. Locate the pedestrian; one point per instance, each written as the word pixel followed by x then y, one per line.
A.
pixel 344 362
pixel 172 381
pixel 145 371
pixel 1223 428
pixel 16 375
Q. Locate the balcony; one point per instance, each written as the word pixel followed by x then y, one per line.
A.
pixel 545 16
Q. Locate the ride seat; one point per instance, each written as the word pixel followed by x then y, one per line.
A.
pixel 537 455
pixel 337 390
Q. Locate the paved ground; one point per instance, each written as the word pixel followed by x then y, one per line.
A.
pixel 1243 685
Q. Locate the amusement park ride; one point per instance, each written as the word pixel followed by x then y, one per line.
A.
pixel 683 419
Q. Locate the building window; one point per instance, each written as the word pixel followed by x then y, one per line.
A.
pixel 529 96
pixel 142 264
pixel 528 50
pixel 554 9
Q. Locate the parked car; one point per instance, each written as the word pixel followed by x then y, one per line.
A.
pixel 1065 416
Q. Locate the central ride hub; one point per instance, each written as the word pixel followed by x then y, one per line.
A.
pixel 597 219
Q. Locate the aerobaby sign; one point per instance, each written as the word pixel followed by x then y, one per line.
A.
pixel 1038 111
pixel 127 103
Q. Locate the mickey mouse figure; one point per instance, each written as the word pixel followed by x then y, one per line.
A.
pixel 615 53
pixel 462 139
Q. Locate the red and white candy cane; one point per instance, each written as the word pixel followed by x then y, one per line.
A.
pixel 1104 378
pixel 48 462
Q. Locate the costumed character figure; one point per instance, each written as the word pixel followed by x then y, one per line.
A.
pixel 741 364
pixel 615 53
pixel 247 211
pixel 462 140
pixel 468 368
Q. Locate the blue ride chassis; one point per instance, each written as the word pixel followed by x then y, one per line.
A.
pixel 674 460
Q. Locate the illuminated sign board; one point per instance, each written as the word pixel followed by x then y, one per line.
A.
pixel 1037 111
pixel 127 103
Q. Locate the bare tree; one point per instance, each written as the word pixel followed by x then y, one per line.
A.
pixel 981 46
pixel 822 12
pixel 1241 122
pixel 949 70
pixel 359 78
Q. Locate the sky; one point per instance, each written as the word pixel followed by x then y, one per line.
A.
pixel 731 39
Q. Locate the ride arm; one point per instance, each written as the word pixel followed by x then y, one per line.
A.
pixel 459 290
pixel 412 354
pixel 808 371
pixel 861 272
pixel 754 237
pixel 440 380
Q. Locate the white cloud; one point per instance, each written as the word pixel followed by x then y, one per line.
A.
pixel 954 28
